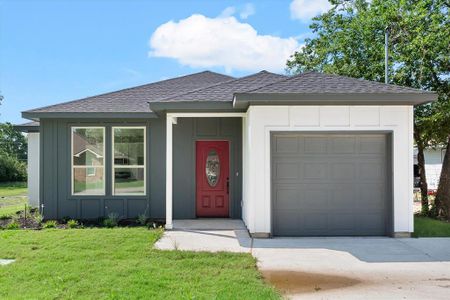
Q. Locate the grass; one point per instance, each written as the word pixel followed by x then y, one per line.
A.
pixel 120 264
pixel 427 227
pixel 8 189
pixel 12 197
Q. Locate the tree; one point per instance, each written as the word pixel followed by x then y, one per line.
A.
pixel 349 40
pixel 12 142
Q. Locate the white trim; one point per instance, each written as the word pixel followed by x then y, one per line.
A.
pixel 169 170
pixel 206 115
pixel 113 165
pixel 72 167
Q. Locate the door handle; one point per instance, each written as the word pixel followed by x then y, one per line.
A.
pixel 228 185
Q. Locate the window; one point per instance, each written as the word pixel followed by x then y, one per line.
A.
pixel 88 170
pixel 128 160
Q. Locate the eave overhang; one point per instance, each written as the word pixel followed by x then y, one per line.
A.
pixel 244 100
pixel 36 116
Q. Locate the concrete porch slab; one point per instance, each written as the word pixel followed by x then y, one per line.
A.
pixel 212 235
pixel 209 224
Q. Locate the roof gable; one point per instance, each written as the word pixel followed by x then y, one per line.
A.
pixel 136 99
pixel 224 91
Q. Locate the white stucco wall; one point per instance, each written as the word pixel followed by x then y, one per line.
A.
pixel 33 169
pixel 261 120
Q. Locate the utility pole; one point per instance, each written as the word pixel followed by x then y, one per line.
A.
pixel 386 54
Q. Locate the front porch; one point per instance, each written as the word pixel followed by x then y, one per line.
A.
pixel 184 133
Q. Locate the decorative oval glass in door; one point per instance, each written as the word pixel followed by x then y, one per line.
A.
pixel 212 168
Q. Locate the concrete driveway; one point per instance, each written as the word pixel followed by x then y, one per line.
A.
pixel 356 268
pixel 334 268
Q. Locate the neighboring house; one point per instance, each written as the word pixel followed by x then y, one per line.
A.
pixel 433 166
pixel 306 155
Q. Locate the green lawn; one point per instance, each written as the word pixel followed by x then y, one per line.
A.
pixel 12 197
pixel 13 189
pixel 426 227
pixel 120 264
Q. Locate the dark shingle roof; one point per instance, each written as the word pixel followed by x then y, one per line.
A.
pixel 136 99
pixel 217 88
pixel 315 82
pixel 225 91
pixel 28 127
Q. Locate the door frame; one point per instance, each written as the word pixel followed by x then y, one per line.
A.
pixel 389 222
pixel 231 179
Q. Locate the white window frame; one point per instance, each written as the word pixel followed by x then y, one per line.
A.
pixel 72 167
pixel 113 165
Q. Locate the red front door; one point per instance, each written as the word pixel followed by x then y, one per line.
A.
pixel 212 174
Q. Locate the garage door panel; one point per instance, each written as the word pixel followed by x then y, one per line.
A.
pixel 333 184
pixel 371 171
pixel 372 144
pixel 342 199
pixel 286 170
pixel 342 222
pixel 287 199
pixel 287 223
pixel 315 145
pixel 343 171
pixel 315 170
pixel 314 221
pixel 286 144
pixel 343 145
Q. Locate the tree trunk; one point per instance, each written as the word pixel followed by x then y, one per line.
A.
pixel 423 178
pixel 443 193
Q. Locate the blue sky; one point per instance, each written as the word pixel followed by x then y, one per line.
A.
pixel 55 51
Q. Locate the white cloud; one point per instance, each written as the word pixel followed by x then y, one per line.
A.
pixel 305 10
pixel 228 12
pixel 247 11
pixel 199 41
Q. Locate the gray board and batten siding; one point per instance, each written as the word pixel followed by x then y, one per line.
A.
pixel 55 191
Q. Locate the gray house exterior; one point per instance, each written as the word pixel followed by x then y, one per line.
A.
pixel 312 154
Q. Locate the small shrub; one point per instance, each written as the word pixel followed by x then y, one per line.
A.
pixel 50 224
pixel 72 224
pixel 111 221
pixel 13 225
pixel 5 217
pixel 142 219
pixel 38 218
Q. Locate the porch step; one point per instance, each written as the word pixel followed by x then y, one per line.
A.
pixel 209 224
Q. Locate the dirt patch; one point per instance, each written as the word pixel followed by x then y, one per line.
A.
pixel 292 282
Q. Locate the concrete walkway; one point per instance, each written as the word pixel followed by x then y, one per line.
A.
pixel 333 268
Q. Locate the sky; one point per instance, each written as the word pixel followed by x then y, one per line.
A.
pixel 60 50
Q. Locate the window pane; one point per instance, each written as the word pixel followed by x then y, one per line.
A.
pixel 212 168
pixel 84 183
pixel 87 146
pixel 129 181
pixel 129 146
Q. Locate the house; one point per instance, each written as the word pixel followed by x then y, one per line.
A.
pixel 434 157
pixel 306 155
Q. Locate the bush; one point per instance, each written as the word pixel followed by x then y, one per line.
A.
pixel 72 224
pixel 142 219
pixel 50 224
pixel 111 221
pixel 13 225
pixel 11 169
